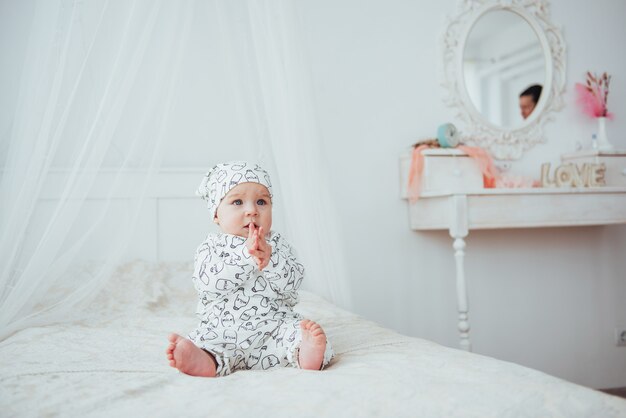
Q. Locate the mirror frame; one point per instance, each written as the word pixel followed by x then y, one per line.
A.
pixel 504 143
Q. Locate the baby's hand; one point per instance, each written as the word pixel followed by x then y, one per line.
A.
pixel 258 247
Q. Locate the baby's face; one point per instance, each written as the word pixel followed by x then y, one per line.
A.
pixel 245 203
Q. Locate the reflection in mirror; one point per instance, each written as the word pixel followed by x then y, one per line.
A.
pixel 502 59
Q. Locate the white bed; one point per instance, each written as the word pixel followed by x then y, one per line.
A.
pixel 112 364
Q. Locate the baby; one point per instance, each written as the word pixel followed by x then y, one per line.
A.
pixel 247 278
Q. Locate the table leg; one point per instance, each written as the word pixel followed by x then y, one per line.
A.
pixel 458 231
pixel 461 294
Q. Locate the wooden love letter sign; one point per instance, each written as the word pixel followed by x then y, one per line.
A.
pixel 570 175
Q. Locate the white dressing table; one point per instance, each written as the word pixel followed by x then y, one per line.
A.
pixel 475 83
pixel 461 211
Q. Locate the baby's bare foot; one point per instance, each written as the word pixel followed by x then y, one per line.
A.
pixel 312 346
pixel 189 358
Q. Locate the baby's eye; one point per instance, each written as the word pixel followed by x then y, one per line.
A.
pixel 261 202
pixel 237 202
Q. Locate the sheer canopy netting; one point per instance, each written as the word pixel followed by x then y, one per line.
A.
pixel 93 100
pixel 90 113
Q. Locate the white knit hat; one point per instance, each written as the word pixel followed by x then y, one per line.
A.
pixel 223 177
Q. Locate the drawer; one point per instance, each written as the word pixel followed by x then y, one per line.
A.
pixel 445 170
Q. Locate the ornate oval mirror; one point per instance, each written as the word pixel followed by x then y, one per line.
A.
pixel 505 73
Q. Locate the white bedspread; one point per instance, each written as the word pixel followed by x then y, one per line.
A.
pixel 112 364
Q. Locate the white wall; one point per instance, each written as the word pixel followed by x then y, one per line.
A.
pixel 546 298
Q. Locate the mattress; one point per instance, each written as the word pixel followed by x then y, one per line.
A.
pixel 111 363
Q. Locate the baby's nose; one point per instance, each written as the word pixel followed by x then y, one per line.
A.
pixel 251 209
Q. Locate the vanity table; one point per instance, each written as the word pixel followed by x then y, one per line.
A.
pixel 460 212
pixel 492 51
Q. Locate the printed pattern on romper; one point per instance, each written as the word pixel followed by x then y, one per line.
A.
pixel 246 315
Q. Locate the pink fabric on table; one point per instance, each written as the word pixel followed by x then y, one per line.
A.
pixel 415 172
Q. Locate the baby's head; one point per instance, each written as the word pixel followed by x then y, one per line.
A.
pixel 238 193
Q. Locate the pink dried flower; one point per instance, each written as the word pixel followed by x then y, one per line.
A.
pixel 592 96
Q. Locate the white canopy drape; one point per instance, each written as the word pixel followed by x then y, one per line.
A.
pixel 89 111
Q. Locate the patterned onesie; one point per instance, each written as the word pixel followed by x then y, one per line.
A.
pixel 247 320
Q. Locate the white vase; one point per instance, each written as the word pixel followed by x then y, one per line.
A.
pixel 603 141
